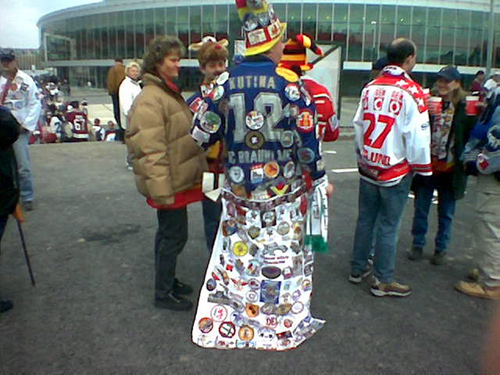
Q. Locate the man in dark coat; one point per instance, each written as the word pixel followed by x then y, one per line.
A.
pixel 9 184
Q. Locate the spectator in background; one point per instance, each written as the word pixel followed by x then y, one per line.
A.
pixel 129 89
pixel 19 93
pixel 482 158
pixel 477 85
pixel 168 164
pixel 450 129
pixel 9 187
pixel 491 84
pixel 116 74
pixel 392 143
pixel 295 59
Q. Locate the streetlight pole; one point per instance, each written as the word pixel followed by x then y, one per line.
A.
pixel 491 37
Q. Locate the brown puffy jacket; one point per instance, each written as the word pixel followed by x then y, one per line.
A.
pixel 166 159
pixel 116 74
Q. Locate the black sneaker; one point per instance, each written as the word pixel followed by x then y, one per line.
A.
pixel 181 288
pixel 438 258
pixel 5 305
pixel 416 253
pixel 28 205
pixel 357 277
pixel 173 302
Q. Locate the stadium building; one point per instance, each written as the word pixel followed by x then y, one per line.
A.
pixel 82 42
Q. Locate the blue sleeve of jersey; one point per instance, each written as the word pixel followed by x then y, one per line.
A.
pixel 309 144
pixel 192 98
pixel 209 121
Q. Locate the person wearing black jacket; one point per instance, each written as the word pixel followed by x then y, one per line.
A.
pixel 9 183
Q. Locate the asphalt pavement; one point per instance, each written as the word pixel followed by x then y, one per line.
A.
pixel 91 243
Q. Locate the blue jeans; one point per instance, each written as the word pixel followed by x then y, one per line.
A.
pixel 21 148
pixel 424 190
pixel 384 206
pixel 211 218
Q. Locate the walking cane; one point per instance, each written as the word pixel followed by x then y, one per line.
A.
pixel 18 215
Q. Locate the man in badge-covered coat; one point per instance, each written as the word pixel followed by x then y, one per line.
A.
pixel 261 258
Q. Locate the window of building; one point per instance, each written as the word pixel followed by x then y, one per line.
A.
pixel 194 24
pixel 183 24
pixel 208 20
pixel 129 30
pixel 309 20
pixel 294 14
pixel 340 27
pixel 356 26
pixel 171 21
pixel 221 21
pixel 371 27
pixel 478 43
pixel 433 36
pixel 462 37
pixel 419 32
pixel 121 38
pixel 403 22
pixel 149 27
pixel 387 27
pixel 448 37
pixel 325 20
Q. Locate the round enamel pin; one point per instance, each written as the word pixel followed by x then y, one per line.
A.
pixel 210 122
pixel 306 155
pixel 292 92
pixel 289 169
pixel 227 329
pixel 305 121
pixel 205 325
pixel 236 174
pixel 287 138
pixel 254 120
pixel 271 169
pixel 246 333
pixel 240 249
pixel 254 139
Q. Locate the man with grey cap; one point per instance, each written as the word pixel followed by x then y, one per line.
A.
pixel 18 92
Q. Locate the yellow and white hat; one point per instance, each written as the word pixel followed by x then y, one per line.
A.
pixel 262 27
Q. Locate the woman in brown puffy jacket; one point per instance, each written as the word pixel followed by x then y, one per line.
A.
pixel 168 164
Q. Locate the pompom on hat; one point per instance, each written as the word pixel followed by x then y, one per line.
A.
pixel 261 25
pixel 295 54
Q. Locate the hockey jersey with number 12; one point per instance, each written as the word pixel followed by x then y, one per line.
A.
pixel 392 129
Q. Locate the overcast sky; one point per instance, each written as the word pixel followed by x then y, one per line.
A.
pixel 19 17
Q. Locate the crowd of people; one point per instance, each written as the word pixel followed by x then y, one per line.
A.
pixel 247 145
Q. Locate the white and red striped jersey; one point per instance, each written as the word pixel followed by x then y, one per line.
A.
pixel 391 125
pixel 328 125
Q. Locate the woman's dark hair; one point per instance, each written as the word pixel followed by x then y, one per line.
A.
pixel 399 50
pixel 158 49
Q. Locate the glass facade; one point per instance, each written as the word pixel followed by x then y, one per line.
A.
pixel 443 35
